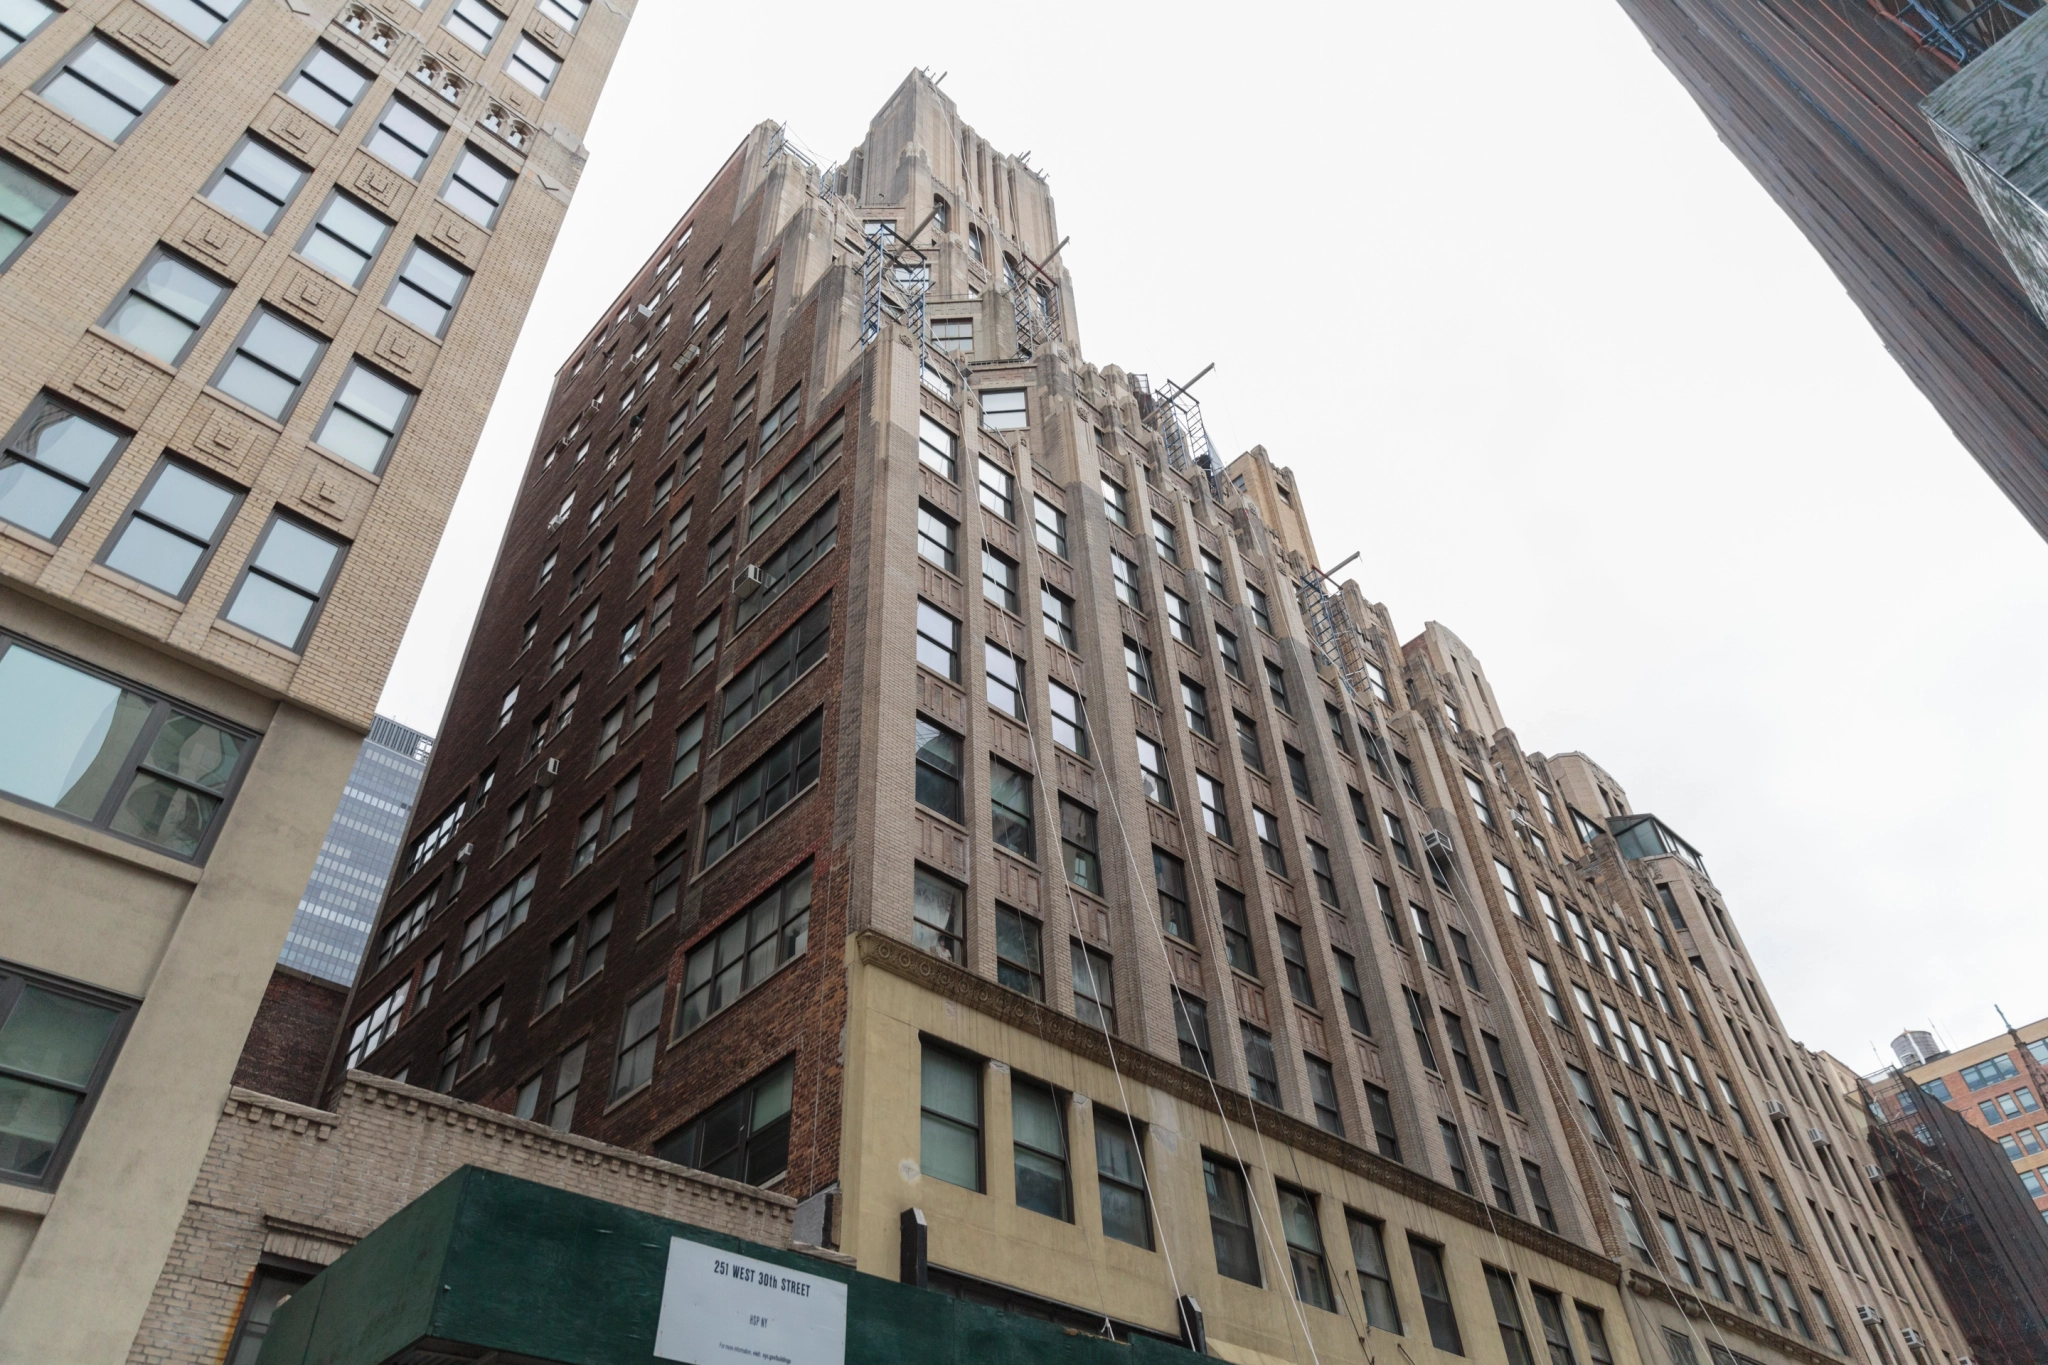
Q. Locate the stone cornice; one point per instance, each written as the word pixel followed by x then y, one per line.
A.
pixel 988 999
pixel 1693 1306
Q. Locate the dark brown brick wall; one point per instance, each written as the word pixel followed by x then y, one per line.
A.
pixel 798 1012
pixel 289 1042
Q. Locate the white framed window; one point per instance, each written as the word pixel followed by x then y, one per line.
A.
pixel 1003 409
pixel 475 23
pixel 533 66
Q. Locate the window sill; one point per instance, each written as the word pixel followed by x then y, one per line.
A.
pixel 251 638
pixel 25 1199
pixel 237 406
pixel 99 841
pixel 635 1093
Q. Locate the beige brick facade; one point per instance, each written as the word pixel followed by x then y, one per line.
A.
pixel 183 943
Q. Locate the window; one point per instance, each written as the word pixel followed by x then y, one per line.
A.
pixel 1152 773
pixel 284 583
pixel 344 238
pixel 975 245
pixel 475 23
pixel 779 493
pixel 1170 875
pixel 770 783
pixel 1191 1031
pixel 364 421
pixel 1002 409
pixel 624 796
pixel 1589 1105
pixel 1230 1219
pixel 1276 683
pixel 1324 876
pixel 404 138
pixel 1375 1280
pixel 1397 839
pixel 939 770
pixel 775 670
pixel 938 448
pixel 703 646
pixel 1215 816
pixel 1436 1296
pixel 568 1080
pixel 1461 1052
pixel 1297 773
pixel 1295 955
pixel 1138 670
pixel 1069 726
pixel 102 87
pixel 1260 1067
pixel 1179 623
pixel 938 641
pixel 1039 1133
pixel 1116 503
pixel 1019 956
pixel 57 1044
pixel 1507 1313
pixel 1262 611
pixel 1461 948
pixel 1336 719
pixel 949 1147
pixel 427 289
pixel 254 184
pixel 1010 809
pixel 744 1137
pixel 1051 524
pixel 1078 847
pixel 269 1287
pixel 1057 610
pixel 781 418
pixel 639 1039
pixel 164 307
pixel 746 951
pixel 999 579
pixel 532 65
pixel 1125 573
pixel 998 490
pixel 1311 1270
pixel 1322 1094
pixel 23 21
pixel 169 534
pixel 477 187
pixel 502 914
pixel 1226 645
pixel 327 85
pixel 689 748
pixel 1496 1168
pixel 1454 1154
pixel 938 912
pixel 1268 830
pixel 1165 540
pixel 269 364
pixel 1094 986
pixel 1237 933
pixel 1248 743
pixel 733 472
pixel 1120 1175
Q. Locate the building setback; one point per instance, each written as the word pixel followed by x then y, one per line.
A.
pixel 1822 101
pixel 889 769
pixel 342 896
pixel 260 270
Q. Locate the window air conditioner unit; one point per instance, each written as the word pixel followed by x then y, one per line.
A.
pixel 647 309
pixel 1775 1108
pixel 749 581
pixel 1865 1313
pixel 1818 1138
pixel 463 854
pixel 549 770
pixel 686 359
pixel 1436 843
pixel 1874 1171
pixel 1913 1338
pixel 1966 1360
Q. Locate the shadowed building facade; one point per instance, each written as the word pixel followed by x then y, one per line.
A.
pixel 897 765
pixel 261 266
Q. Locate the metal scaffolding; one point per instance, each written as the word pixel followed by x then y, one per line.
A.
pixel 1959 32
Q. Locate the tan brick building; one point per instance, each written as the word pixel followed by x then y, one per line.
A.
pixel 922 779
pixel 261 266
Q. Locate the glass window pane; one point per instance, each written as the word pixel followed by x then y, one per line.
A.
pixel 68 443
pixel 165 813
pixel 194 505
pixel 283 345
pixel 32 1122
pixel 56 1037
pixel 33 500
pixel 297 556
pixel 271 610
pixel 79 730
pixel 262 389
pixel 149 554
pixel 24 200
pixel 193 751
pixel 355 440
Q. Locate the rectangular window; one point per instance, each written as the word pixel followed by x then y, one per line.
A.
pixel 170 532
pixel 950 1109
pixel 285 582
pixel 774 670
pixel 1002 409
pixel 254 184
pixel 953 334
pixel 1496 1168
pixel 1397 839
pixel 938 448
pixel 1375 1280
pixel 1230 1219
pixel 502 914
pixel 1179 622
pixel 427 289
pixel 639 1040
pixel 1226 646
pixel 1248 743
pixel 1152 773
pixel 998 490
pixel 477 187
pixel 1057 610
pixel 532 65
pixel 938 641
pixel 939 770
pixel 1125 573
pixel 688 750
pixel 703 646
pixel 1020 961
pixel 1276 684
pixel 1051 522
pixel 1094 987
pixel 779 493
pixel 1010 809
pixel 1323 874
pixel 1039 1135
pixel 770 783
pixel 1297 773
pixel 1507 1314
pixel 744 1137
pixel 746 951
pixel 1311 1269
pixel 938 538
pixel 1511 889
pixel 1322 1094
pixel 938 912
pixel 269 364
pixel 1261 1069
pixel 101 86
pixel 1461 1052
pixel 1262 611
pixel 1461 948
pixel 1379 1107
pixel 57 1044
pixel 475 23
pixel 404 138
pixel 1069 725
pixel 999 579
pixel 164 307
pixel 327 85
pixel 1295 955
pixel 366 417
pixel 1078 846
pixel 1435 1289
pixel 1165 540
pixel 1268 831
pixel 1120 1176
pixel 1215 815
pixel 344 238
pixel 1170 875
pixel 1191 1031
pixel 1454 1154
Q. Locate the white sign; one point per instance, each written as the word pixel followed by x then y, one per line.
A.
pixel 718 1308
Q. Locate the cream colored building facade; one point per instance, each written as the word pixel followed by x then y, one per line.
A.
pixel 264 263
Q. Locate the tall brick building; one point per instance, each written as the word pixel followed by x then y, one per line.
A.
pixel 897 765
pixel 261 265
pixel 1823 101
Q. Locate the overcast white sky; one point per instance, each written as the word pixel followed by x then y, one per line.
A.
pixel 1539 347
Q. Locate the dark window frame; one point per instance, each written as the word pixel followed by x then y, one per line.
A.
pixel 155 254
pixel 39 405
pixel 104 39
pixel 64 196
pixel 312 622
pixel 233 353
pixel 15 979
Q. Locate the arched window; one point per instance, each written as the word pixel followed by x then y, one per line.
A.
pixel 941 214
